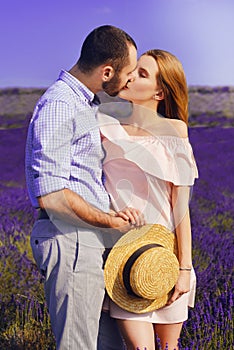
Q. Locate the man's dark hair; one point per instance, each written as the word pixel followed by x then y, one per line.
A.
pixel 105 45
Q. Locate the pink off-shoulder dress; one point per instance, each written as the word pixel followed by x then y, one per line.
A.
pixel 139 172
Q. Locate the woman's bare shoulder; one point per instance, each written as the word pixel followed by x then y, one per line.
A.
pixel 178 127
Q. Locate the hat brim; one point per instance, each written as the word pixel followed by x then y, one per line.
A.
pixel 118 257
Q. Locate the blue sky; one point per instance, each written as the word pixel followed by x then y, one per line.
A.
pixel 38 38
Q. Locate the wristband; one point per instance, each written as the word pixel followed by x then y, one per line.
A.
pixel 185 269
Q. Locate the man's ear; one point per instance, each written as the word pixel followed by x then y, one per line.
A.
pixel 107 73
pixel 159 95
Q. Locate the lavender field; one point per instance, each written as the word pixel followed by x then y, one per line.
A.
pixel 24 322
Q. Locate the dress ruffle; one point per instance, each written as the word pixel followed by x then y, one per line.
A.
pixel 169 158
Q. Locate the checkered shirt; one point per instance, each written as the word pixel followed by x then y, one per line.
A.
pixel 63 148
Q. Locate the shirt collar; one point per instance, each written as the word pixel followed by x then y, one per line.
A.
pixel 79 87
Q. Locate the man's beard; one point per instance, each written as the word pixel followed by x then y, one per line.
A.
pixel 112 87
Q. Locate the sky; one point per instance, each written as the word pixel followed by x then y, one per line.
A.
pixel 39 38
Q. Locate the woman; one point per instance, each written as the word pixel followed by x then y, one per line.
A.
pixel 149 165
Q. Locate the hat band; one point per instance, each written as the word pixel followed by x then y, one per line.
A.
pixel 129 264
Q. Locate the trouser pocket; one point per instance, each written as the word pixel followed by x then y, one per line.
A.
pixel 44 247
pixel 44 254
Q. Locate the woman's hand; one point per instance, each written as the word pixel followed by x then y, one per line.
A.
pixel 182 286
pixel 133 216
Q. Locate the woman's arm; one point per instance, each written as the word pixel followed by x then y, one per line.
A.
pixel 180 205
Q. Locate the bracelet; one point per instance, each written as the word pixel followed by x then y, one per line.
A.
pixel 185 269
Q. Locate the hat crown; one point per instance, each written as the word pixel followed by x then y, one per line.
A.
pixel 154 273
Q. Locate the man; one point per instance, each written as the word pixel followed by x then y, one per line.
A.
pixel 64 179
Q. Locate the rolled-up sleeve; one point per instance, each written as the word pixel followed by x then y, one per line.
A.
pixel 51 147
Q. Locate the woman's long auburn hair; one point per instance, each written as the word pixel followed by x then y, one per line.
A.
pixel 172 80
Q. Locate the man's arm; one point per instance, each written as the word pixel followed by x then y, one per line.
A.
pixel 70 207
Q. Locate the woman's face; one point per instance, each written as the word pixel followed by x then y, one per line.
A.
pixel 144 86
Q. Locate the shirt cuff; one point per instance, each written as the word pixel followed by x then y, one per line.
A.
pixel 45 184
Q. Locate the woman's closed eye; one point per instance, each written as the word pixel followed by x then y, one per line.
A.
pixel 143 73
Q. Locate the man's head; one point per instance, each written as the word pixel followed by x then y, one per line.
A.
pixel 114 51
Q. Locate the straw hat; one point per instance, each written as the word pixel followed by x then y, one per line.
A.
pixel 142 269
